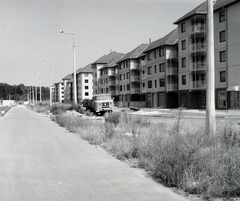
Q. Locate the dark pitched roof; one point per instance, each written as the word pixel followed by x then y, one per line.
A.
pixel 113 62
pixel 87 69
pixel 169 39
pixel 134 54
pixel 201 9
pixel 68 77
pixel 106 58
pixel 78 70
pixel 222 3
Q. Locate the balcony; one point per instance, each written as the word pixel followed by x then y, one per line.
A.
pixel 111 82
pixel 135 90
pixel 172 87
pixel 198 29
pixel 198 66
pixel 198 48
pixel 199 84
pixel 172 71
pixel 111 73
pixel 171 54
pixel 134 66
pixel 135 78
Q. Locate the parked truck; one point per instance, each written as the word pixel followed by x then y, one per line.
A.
pixel 99 104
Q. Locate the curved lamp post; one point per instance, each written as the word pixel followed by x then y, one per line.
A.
pixel 74 67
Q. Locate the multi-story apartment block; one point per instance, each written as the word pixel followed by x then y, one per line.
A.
pixel 68 91
pixel 227 51
pixel 108 77
pixel 66 80
pixel 59 92
pixel 96 67
pixel 84 83
pixel 129 78
pixel 161 79
pixel 192 55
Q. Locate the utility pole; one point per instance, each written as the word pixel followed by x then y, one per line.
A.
pixel 210 110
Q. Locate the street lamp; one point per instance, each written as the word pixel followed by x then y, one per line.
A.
pixel 50 91
pixel 74 67
pixel 40 99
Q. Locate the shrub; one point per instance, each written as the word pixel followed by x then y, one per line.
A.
pixel 113 118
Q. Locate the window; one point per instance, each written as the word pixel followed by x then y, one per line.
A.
pixel 106 90
pixel 86 87
pixel 183 44
pixel 155 54
pixel 149 70
pixel 150 84
pixel 155 83
pixel 184 80
pixel 124 76
pixel 223 76
pixel 162 82
pixel 155 68
pixel 86 94
pixel 106 80
pixel 143 84
pixel 128 87
pixel 161 52
pixel 161 67
pixel 222 36
pixel 222 56
pixel 120 77
pixel 124 87
pixel 120 87
pixel 184 62
pixel 183 27
pixel 128 75
pixel 149 56
pixel 222 16
pixel 86 81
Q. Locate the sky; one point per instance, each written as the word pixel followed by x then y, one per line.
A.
pixel 29 33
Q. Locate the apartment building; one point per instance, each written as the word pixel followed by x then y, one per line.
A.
pixel 128 88
pixel 161 72
pixel 192 55
pixel 108 77
pixel 84 80
pixel 66 80
pixel 227 51
pixel 58 92
pixel 68 91
pixel 105 59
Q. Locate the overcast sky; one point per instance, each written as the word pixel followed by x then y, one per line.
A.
pixel 29 32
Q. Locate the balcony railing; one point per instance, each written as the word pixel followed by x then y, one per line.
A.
pixel 199 84
pixel 198 66
pixel 198 28
pixel 111 73
pixel 172 87
pixel 198 47
pixel 172 70
pixel 112 82
pixel 135 90
pixel 134 66
pixel 171 54
pixel 135 78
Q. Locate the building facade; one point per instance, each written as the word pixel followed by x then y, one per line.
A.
pixel 84 83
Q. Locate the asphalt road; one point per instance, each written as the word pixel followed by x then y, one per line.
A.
pixel 41 161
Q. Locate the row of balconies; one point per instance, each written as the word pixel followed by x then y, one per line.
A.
pixel 193 85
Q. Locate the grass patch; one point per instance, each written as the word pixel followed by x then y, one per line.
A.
pixel 193 161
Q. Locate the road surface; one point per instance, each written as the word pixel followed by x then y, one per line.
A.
pixel 42 161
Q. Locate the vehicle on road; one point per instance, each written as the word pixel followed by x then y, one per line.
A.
pixel 99 104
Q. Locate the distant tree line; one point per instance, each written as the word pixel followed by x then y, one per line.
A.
pixel 21 92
